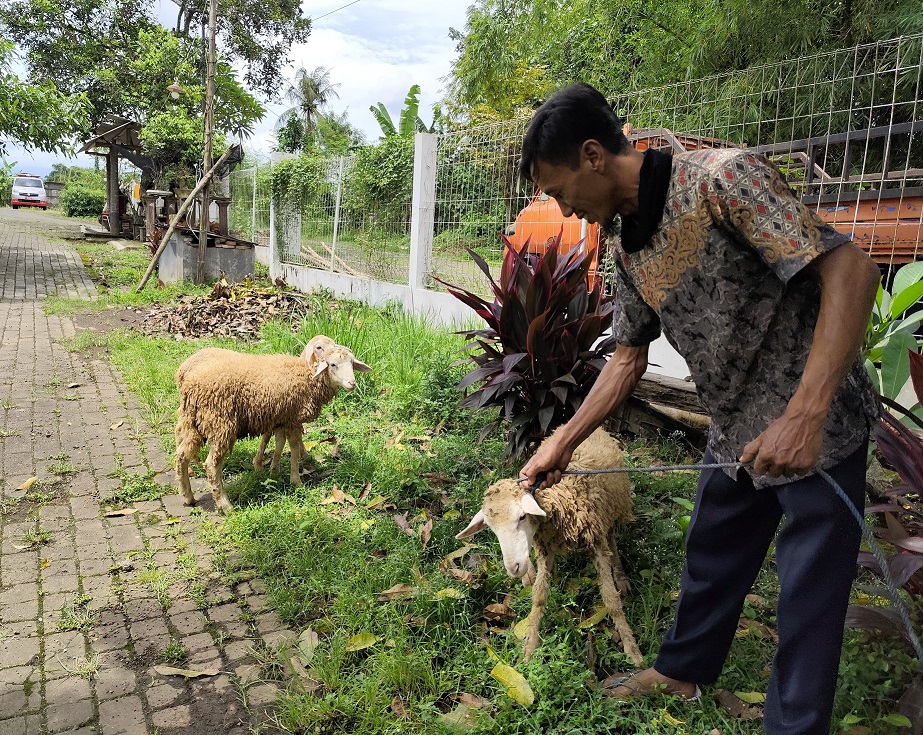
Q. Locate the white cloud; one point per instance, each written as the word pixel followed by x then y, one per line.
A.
pixel 375 49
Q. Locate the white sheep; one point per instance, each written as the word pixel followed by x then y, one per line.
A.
pixel 314 352
pixel 226 396
pixel 579 512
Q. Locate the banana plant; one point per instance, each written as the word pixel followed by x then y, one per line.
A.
pixel 890 336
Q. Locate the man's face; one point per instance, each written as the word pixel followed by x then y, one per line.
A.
pixel 581 190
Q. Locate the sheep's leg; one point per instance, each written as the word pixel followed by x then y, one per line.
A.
pixel 618 571
pixel 259 458
pixel 543 574
pixel 213 464
pixel 603 561
pixel 188 443
pixel 277 452
pixel 295 446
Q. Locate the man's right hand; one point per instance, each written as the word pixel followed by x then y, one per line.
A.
pixel 551 458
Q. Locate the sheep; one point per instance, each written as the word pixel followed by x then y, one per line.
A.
pixel 313 352
pixel 226 395
pixel 579 512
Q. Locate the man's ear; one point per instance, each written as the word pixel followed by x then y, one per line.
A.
pixel 593 153
pixel 530 505
pixel 478 523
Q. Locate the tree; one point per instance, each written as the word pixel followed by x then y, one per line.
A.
pixel 36 115
pixel 409 121
pixel 310 92
pixel 512 53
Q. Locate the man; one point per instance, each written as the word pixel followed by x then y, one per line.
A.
pixel 768 306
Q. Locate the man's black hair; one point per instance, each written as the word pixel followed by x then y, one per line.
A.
pixel 560 126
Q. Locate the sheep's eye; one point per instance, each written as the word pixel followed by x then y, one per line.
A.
pixel 522 517
pixel 333 364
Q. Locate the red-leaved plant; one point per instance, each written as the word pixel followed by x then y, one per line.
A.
pixel 538 357
pixel 900 509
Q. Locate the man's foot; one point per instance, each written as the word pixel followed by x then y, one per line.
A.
pixel 648 682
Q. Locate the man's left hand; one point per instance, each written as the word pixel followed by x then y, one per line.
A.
pixel 790 446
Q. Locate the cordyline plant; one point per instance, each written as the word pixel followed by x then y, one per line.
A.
pixel 900 509
pixel 538 357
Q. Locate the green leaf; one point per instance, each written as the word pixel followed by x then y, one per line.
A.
pixel 751 697
pixel 516 686
pixel 361 641
pixel 905 299
pixel 895 365
pixel 873 374
pixel 897 720
pixel 307 644
pixel 906 276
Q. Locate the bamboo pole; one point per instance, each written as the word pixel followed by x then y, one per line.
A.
pixel 209 132
pixel 180 212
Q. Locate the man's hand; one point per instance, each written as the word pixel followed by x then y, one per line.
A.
pixel 790 446
pixel 552 458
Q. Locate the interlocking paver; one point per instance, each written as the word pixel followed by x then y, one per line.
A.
pixel 115 578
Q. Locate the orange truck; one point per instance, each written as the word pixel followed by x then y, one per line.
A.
pixel 886 222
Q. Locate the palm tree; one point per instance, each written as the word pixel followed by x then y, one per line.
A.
pixel 310 92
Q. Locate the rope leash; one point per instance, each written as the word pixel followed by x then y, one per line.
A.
pixel 899 603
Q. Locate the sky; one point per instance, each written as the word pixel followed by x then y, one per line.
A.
pixel 374 49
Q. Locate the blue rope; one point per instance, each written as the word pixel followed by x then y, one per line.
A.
pixel 896 598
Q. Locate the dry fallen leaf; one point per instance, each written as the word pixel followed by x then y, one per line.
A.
pixel 599 614
pixel 27 484
pixel 460 718
pixel 498 611
pixel 73 385
pixel 187 673
pixel 361 641
pixel 737 707
pixel 462 575
pixel 520 629
pixel 116 425
pixel 366 489
pixel 516 685
pixel 307 679
pixel 426 532
pixel 375 502
pixel 745 626
pixel 401 522
pixel 449 559
pixel 120 512
pixel 396 592
pixel 397 706
pixel 307 644
pixel 338 496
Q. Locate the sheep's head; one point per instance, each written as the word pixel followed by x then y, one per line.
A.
pixel 316 349
pixel 510 511
pixel 340 365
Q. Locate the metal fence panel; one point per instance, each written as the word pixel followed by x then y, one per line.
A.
pixel 845 126
pixel 331 224
pixel 248 215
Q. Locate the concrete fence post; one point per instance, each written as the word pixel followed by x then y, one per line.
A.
pixel 422 209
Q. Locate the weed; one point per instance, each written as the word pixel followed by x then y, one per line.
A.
pixel 136 487
pixel 37 538
pixel 71 397
pixel 6 433
pixel 76 616
pixel 63 468
pixel 7 404
pixel 174 653
pixel 86 668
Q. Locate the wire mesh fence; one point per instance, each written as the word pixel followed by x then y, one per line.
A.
pixel 346 214
pixel 248 214
pixel 844 126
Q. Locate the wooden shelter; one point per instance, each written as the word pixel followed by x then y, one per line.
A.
pixel 114 138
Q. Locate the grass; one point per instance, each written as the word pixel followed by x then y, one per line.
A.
pixel 174 653
pixel 400 436
pixel 76 616
pixel 136 487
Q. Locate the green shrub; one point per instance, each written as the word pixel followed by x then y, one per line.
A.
pixel 79 202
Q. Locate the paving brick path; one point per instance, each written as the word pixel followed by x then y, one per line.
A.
pixel 89 604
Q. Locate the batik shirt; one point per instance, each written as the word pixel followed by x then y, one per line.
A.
pixel 724 278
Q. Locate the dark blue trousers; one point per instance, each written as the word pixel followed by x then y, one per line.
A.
pixel 732 527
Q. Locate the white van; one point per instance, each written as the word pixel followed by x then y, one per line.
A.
pixel 28 191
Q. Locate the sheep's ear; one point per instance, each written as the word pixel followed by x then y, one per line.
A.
pixel 478 523
pixel 361 366
pixel 321 366
pixel 530 506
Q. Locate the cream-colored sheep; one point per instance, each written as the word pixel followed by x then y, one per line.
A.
pixel 314 352
pixel 579 512
pixel 229 396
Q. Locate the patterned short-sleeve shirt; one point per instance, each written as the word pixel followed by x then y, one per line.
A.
pixel 724 278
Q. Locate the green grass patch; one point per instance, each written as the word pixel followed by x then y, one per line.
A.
pixel 136 487
pixel 399 446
